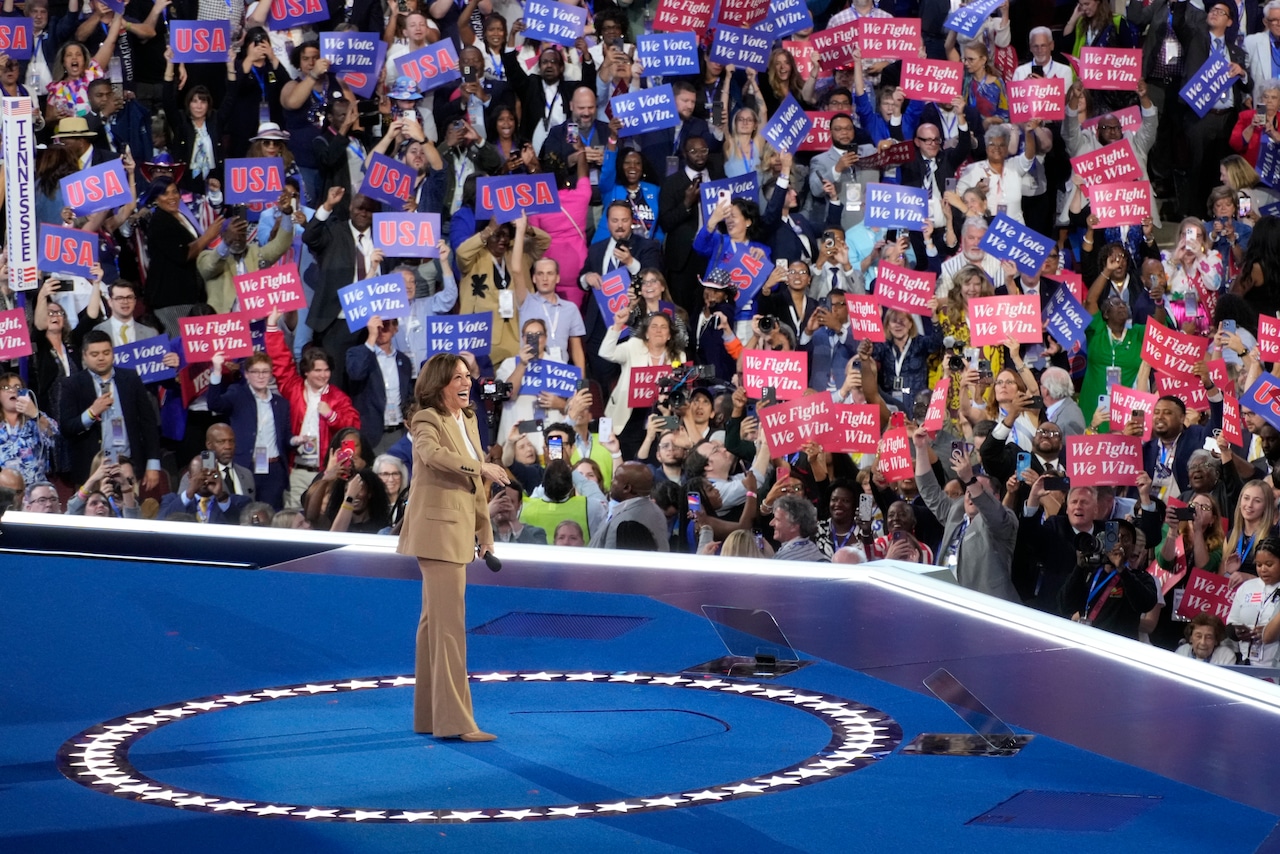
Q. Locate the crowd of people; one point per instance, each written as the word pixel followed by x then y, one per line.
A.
pixel 310 431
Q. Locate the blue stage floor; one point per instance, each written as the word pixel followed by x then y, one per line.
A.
pixel 267 717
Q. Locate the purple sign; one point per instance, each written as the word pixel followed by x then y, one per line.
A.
pixel 785 18
pixel 968 19
pixel 645 110
pixel 1008 239
pixel 1208 85
pixel 555 377
pixel 200 41
pixel 67 250
pixel 788 127
pixel 668 54
pixel 614 293
pixel 895 206
pixel 253 179
pixel 459 333
pixel 407 235
pixel 351 51
pixel 1065 318
pixel 432 66
pixel 503 198
pixel 16 36
pixel 363 83
pixel 287 14
pixel 388 180
pixel 743 187
pixel 741 48
pixel 553 22
pixel 147 357
pixel 748 274
pixel 97 188
pixel 385 297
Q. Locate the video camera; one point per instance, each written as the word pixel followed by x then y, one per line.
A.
pixel 495 391
pixel 673 389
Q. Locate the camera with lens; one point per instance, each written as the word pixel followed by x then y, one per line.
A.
pixel 495 391
pixel 955 362
pixel 1090 550
pixel 637 315
pixel 768 323
pixel 367 109
pixel 674 388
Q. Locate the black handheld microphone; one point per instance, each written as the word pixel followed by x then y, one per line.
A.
pixel 491 561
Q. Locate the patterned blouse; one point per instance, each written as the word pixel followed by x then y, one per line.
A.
pixel 27 448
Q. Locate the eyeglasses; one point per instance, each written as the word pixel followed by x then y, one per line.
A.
pixel 1108 127
pixel 928 139
pixel 125 298
pixel 10 388
pixel 260 372
pixel 56 313
pixel 44 499
pixel 1050 433
pixel 394 474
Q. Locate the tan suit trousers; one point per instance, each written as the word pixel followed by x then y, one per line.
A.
pixel 441 693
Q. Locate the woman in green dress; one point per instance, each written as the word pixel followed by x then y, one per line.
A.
pixel 1109 343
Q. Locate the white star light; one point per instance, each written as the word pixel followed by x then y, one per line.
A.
pixel 571 812
pixel 271 809
pixel 194 800
pixel 745 789
pixel 824 706
pixel 232 805
pixel 173 713
pixel 834 763
pixel 149 720
pixel 205 707
pixel 771 782
pixel 708 683
pixel 398 681
pixel 411 817
pixel 361 815
pixel 664 801
pixel 801 699
pixel 357 684
pixel 166 795
pixel 627 677
pixel 315 813
pixel 137 789
pixel 276 695
pixel 114 780
pixel 516 814
pixel 492 677
pixel 806 773
pixel 620 806
pixel 541 676
pixel 773 693
pixel 668 680
pixel 739 688
pixel 704 795
pixel 125 728
pixel 584 677
pixel 465 816
pixel 317 689
pixel 240 698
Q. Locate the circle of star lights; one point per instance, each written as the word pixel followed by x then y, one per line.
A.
pixel 98 758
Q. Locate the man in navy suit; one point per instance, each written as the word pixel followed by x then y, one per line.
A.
pixel 260 419
pixel 1165 456
pixel 378 379
pixel 657 145
pixel 932 166
pixel 105 406
pixel 593 136
pixel 206 497
pixel 623 249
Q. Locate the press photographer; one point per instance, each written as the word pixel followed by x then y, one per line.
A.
pixel 1106 589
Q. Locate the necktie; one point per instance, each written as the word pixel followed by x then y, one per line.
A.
pixel 612 264
pixel 1217 44
pixel 933 170
pixel 675 145
pixel 226 479
pixel 954 547
pixel 362 270
pixel 203 514
pixel 124 333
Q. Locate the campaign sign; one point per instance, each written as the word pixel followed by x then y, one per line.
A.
pixel 15 337
pixel 614 293
pixel 969 18
pixel 896 206
pixel 1232 422
pixel 200 41
pixel 407 235
pixel 788 127
pixel 227 334
pixel 668 54
pixel 819 136
pixel 748 274
pixel 803 52
pixel 853 428
pixel 1130 119
pixel 894 455
pixel 792 424
pixel 741 48
pixel 1263 398
pixel 1116 69
pixel 287 14
pixel 1006 238
pixel 384 296
pixel 643 391
pixel 889 38
pixel 645 110
pixel 147 358
pixel 937 410
pixel 1268 166
pixel 932 80
pixel 887 158
pixel 1190 389
pixel 1042 98
pixel 864 318
pixel 679 16
pixel 16 37
pixel 1206 591
pixel 460 333
pixel 1109 164
pixel 1065 319
pixel 743 187
pixel 1073 281
pixel 97 188
pixel 553 22
pixel 436 64
pixel 253 179
pixel 275 287
pixel 67 250
pixel 1269 338
pixel 556 377
pixel 351 51
pixel 992 320
pixel 786 372
pixel 1126 401
pixel 835 46
pixel 1208 85
pixel 785 18
pixel 1123 203
pixel 388 180
pixel 1104 460
pixel 503 198
pixel 1172 352
pixel 742 13
pixel 905 289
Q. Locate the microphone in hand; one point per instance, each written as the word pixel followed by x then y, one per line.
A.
pixel 491 561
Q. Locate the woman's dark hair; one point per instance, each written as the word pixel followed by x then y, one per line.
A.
pixel 295 55
pixel 1264 251
pixel 469 189
pixel 634 536
pixel 435 375
pixel 198 91
pixel 1233 307
pixel 646 171
pixel 379 505
pixel 491 18
pixel 672 344
pixel 666 495
pixel 1271 545
pixel 311 355
pixel 336 440
pixel 252 36
pixel 557 481
pixel 491 125
pixel 751 212
pixel 54 164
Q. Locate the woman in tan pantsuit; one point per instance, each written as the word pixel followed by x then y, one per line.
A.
pixel 446 522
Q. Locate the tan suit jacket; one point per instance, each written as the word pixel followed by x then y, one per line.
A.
pixel 448 509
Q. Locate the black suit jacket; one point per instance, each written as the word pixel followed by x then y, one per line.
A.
pixel 236 401
pixel 557 141
pixel 528 88
pixel 335 251
pixel 76 392
pixel 657 145
pixel 782 240
pixel 172 278
pixel 369 394
pixel 645 250
pixel 679 223
pixel 1190 441
pixel 1192 28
